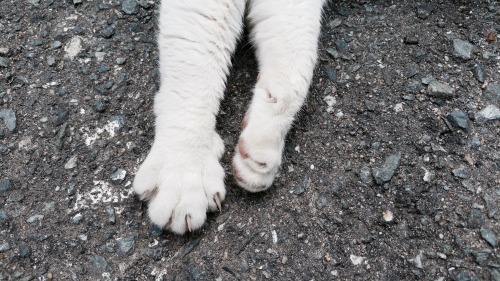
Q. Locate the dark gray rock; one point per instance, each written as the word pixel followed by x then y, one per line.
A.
pixel 5 185
pixel 364 174
pixel 413 87
pixel 77 219
pixel 130 7
pixel 462 49
pixel 460 172
pixel 330 73
pixel 490 112
pixel 321 201
pixel 107 32
pixel 302 188
pixel 492 93
pixel 4 62
pixel 98 263
pixel 476 218
pixel 3 216
pixel 333 53
pixel 495 275
pixel 491 205
pixel 482 256
pixel 459 119
pixel 4 247
pixel 440 90
pixel 479 71
pixel 463 276
pixel 118 176
pixel 120 61
pixel 56 44
pixel 490 237
pixel 424 11
pixel 9 118
pixel 110 212
pixel 61 116
pixel 388 169
pixel 126 245
pixel 24 250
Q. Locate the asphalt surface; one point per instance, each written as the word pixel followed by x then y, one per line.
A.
pixel 391 171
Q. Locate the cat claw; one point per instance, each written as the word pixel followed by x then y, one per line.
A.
pixel 146 196
pixel 188 223
pixel 217 201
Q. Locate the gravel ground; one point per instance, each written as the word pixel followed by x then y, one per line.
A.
pixel 391 172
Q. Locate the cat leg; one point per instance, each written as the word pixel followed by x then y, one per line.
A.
pixel 181 176
pixel 285 34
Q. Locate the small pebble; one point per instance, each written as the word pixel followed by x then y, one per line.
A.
pixel 4 246
pixel 388 169
pixel 459 119
pixel 120 61
pixel 5 185
pixel 130 7
pixel 490 237
pixel 462 49
pixel 440 90
pixel 126 245
pixel 479 72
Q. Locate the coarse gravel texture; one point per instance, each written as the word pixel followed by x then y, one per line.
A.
pixel 391 171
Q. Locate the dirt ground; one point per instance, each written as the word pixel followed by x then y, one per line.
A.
pixel 391 171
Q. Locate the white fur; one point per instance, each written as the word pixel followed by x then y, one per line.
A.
pixel 182 173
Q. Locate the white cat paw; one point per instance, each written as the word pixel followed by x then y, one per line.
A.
pixel 257 155
pixel 181 183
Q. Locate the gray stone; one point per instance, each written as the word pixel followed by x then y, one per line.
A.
pixel 4 62
pixel 56 44
pixel 474 142
pixel 35 218
pixel 77 219
pixel 440 90
pixel 492 93
pixel 330 73
pixel 459 119
pixel 334 54
pixel 107 32
pixel 495 275
pixel 126 245
pixel 99 263
pixel 334 23
pixel 4 247
pixel 388 169
pixel 120 61
pixel 490 237
pixel 479 72
pixel 364 174
pixel 428 79
pixel 490 112
pixel 413 87
pixel 463 276
pixel 302 188
pixel 118 176
pixel 460 172
pixel 424 11
pixel 130 7
pixel 3 216
pixel 9 118
pixel 476 218
pixel 51 61
pixel 24 250
pixel 61 116
pixel 110 211
pixel 72 162
pixel 482 256
pixel 321 201
pixel 462 49
pixel 491 205
pixel 5 185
